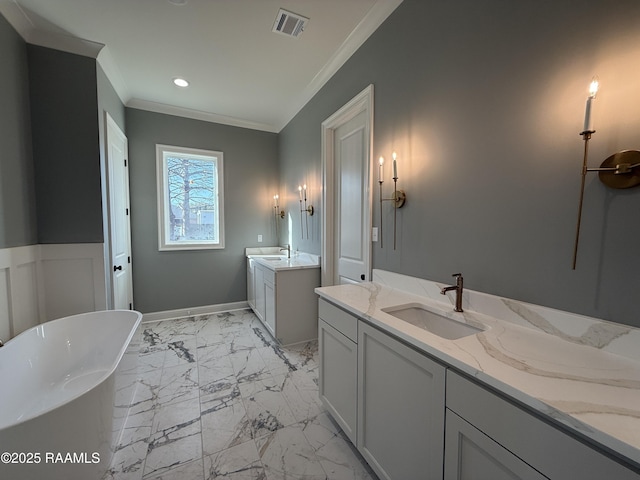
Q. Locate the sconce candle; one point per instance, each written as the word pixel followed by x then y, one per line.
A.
pixel 380 175
pixel 593 90
pixel 275 200
pixel 300 191
pixel 305 192
pixel 395 166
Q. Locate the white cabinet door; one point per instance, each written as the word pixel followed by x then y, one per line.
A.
pixel 260 297
pixel 472 455
pixel 251 286
pixel 270 307
pixel 338 377
pixel 400 408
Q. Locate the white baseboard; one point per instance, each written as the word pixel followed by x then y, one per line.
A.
pixel 189 312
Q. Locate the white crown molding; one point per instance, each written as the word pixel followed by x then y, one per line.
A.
pixel 21 22
pixel 113 73
pixel 199 115
pixel 16 17
pixel 369 24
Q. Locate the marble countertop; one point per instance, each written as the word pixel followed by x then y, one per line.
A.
pixel 571 378
pixel 277 262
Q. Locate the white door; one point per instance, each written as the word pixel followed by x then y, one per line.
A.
pixel 352 245
pixel 119 226
pixel 347 136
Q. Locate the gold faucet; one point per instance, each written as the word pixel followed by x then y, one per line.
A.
pixel 288 249
pixel 458 288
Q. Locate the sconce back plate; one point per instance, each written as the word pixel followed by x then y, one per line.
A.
pixel 399 197
pixel 621 180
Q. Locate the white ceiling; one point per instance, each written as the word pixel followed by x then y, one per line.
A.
pixel 241 73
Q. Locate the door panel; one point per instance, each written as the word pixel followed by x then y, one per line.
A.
pixel 346 224
pixel 352 200
pixel 120 229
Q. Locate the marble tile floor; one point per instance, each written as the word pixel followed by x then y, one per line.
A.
pixel 219 399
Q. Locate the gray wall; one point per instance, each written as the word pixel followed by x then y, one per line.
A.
pixel 484 103
pixel 183 279
pixel 17 193
pixel 108 102
pixel 64 122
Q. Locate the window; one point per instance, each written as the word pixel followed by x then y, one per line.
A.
pixel 190 198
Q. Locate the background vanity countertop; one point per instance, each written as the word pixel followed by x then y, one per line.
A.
pixel 279 262
pixel 558 364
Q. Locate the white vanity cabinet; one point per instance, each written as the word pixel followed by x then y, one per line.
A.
pixel 401 396
pixel 490 437
pixel 265 297
pixel 472 454
pixel 338 369
pixel 251 284
pixel 285 302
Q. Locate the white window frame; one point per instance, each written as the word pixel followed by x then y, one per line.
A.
pixel 164 224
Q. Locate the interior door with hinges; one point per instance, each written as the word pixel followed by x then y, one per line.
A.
pixel 347 137
pixel 119 225
pixel 352 214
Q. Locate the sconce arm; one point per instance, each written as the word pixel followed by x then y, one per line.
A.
pixel 620 168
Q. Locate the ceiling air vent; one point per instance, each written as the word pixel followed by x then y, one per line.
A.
pixel 289 24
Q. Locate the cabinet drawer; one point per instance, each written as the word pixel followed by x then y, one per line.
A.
pixel 342 321
pixel 269 276
pixel 545 447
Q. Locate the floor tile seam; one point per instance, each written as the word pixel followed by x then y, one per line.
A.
pixel 301 425
pixel 197 366
pixel 143 464
pixel 148 438
pixel 251 440
pixel 314 449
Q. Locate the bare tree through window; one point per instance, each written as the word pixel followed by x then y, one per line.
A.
pixel 192 200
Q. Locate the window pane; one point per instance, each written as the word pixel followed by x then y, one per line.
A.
pixel 192 198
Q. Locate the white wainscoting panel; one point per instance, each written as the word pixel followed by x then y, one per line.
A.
pixel 73 279
pixel 24 296
pixel 19 306
pixel 44 282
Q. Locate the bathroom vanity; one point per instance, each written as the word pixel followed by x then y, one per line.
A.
pixel 280 291
pixel 523 392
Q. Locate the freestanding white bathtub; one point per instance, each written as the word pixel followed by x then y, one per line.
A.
pixel 65 388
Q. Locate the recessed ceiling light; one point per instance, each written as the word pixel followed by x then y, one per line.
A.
pixel 179 3
pixel 180 82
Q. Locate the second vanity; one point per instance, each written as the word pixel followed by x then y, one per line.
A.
pixel 280 290
pixel 521 392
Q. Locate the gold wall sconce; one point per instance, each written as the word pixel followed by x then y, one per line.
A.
pixel 305 211
pixel 277 212
pixel 620 170
pixel 399 196
pixel 276 207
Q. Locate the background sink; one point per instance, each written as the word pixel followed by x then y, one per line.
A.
pixel 418 315
pixel 272 258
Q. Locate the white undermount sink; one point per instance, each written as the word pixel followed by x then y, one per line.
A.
pixel 418 315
